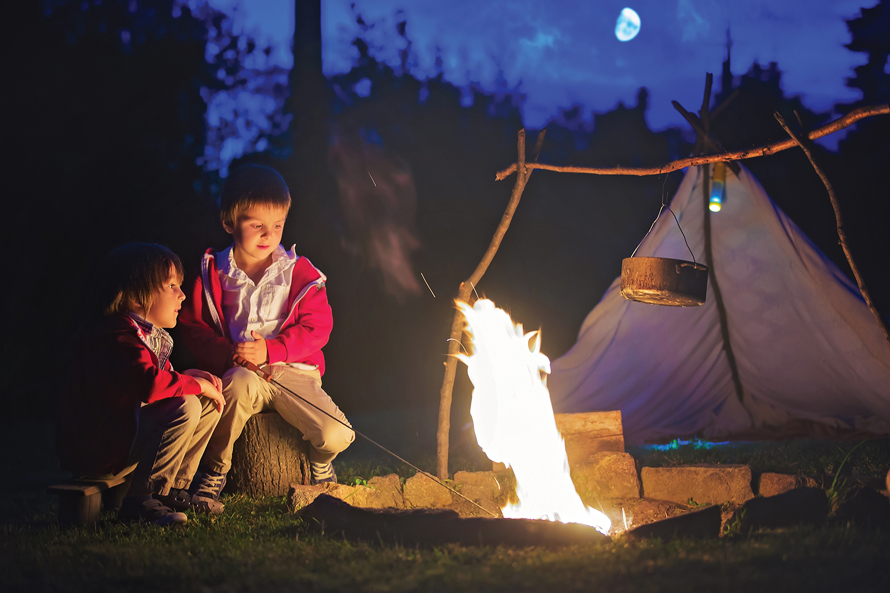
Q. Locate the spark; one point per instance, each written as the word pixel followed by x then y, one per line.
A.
pixel 427 284
pixel 372 179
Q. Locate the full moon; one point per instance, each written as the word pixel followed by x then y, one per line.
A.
pixel 628 25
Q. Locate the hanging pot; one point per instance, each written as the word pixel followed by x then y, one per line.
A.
pixel 664 281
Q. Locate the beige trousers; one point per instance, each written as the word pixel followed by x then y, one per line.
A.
pixel 169 443
pixel 247 394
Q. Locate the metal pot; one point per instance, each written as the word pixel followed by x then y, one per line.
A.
pixel 664 281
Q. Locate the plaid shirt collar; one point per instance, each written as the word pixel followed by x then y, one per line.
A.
pixel 156 338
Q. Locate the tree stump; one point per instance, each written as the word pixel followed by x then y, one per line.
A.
pixel 269 456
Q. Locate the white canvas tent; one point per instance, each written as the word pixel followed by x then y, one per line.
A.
pixel 808 350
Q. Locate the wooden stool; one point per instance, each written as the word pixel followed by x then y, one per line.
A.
pixel 268 457
pixel 80 500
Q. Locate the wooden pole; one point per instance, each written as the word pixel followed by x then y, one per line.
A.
pixel 703 131
pixel 464 292
pixel 842 235
pixel 698 160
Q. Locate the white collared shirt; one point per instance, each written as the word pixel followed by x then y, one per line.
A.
pixel 255 307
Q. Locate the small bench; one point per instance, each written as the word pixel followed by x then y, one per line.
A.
pixel 80 500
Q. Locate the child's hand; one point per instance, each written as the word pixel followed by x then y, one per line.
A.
pixel 209 391
pixel 214 380
pixel 255 351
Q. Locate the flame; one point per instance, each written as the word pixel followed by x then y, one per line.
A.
pixel 514 419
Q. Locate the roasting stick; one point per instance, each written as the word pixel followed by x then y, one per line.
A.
pixel 267 376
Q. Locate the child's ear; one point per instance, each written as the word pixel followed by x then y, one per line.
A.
pixel 228 228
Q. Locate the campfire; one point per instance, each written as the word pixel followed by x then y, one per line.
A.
pixel 514 420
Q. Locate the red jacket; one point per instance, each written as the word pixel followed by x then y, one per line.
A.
pixel 304 332
pixel 111 374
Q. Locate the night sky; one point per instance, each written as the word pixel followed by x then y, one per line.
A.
pixel 566 52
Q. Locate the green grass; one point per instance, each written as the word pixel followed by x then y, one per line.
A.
pixel 806 457
pixel 259 546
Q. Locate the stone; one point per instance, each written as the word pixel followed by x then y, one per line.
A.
pixel 700 524
pixel 701 483
pixel 390 488
pixel 588 433
pixel 435 527
pixel 606 475
pixel 771 484
pixel 299 496
pixel 864 507
pixel 634 512
pixel 801 506
pixel 422 492
pixel 478 486
pixel 380 493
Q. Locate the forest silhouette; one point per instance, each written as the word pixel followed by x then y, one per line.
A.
pixel 106 138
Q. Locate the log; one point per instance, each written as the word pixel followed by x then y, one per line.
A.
pixel 436 527
pixel 269 456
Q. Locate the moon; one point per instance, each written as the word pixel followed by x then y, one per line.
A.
pixel 628 25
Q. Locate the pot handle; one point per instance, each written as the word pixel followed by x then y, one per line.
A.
pixel 696 267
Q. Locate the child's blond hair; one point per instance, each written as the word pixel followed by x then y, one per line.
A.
pixel 249 186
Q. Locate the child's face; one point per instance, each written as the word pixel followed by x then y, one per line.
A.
pixel 165 303
pixel 257 232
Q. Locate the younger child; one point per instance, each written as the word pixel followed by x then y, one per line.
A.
pixel 269 306
pixel 123 408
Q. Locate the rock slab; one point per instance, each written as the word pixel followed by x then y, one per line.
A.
pixel 425 527
pixel 701 483
pixel 701 524
pixel 771 484
pixel 380 493
pixel 421 492
pixel 801 506
pixel 606 475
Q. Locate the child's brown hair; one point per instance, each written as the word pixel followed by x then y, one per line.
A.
pixel 249 186
pixel 130 275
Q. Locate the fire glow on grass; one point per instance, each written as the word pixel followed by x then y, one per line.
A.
pixel 514 419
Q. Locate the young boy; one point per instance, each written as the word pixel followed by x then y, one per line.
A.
pixel 269 306
pixel 123 406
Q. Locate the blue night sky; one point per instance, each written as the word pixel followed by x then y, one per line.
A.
pixel 566 52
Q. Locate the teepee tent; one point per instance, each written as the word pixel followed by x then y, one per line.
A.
pixel 808 351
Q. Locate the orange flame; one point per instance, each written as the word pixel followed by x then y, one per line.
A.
pixel 514 420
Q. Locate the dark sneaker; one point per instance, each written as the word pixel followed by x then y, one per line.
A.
pixel 178 500
pixel 205 504
pixel 207 485
pixel 149 510
pixel 323 473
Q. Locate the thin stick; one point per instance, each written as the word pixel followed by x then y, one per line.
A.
pixel 267 376
pixel 709 253
pixel 842 235
pixel 697 160
pixel 712 143
pixel 466 287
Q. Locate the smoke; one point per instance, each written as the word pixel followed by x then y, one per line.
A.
pixel 378 202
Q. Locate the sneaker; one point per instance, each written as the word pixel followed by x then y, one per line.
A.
pixel 149 510
pixel 205 504
pixel 178 500
pixel 207 486
pixel 323 473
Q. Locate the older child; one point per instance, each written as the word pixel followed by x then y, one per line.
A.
pixel 269 306
pixel 124 409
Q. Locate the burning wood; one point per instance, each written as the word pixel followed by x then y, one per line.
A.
pixel 511 402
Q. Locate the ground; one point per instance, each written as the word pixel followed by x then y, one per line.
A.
pixel 260 546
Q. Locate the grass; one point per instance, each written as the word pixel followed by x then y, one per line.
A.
pixel 260 546
pixel 805 457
